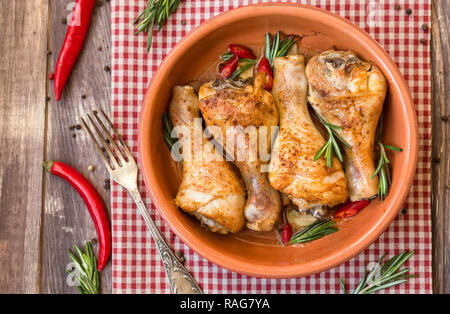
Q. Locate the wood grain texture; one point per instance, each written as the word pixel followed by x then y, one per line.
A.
pixel 441 147
pixel 66 220
pixel 32 259
pixel 22 114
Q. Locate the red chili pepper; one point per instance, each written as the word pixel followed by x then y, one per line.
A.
pixel 93 202
pixel 350 209
pixel 264 66
pixel 229 67
pixel 286 234
pixel 73 43
pixel 241 52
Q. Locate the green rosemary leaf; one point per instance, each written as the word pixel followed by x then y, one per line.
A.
pixel 332 144
pixel 329 154
pixel 383 169
pixel 382 185
pixel 398 149
pixel 341 282
pixel 380 165
pixel 398 263
pixel 277 48
pixel 267 46
pixel 341 139
pixel 335 127
pixel 241 69
pixel 321 151
pixel 385 286
pixel 286 44
pixel 86 264
pixel 361 283
pixel 156 12
pixel 275 45
pixel 390 274
pixel 314 231
pixel 226 56
pixel 252 61
pixel 337 151
pixel 167 130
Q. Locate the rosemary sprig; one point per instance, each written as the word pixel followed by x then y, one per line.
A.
pixel 86 265
pixel 382 277
pixel 331 145
pixel 314 231
pixel 383 169
pixel 156 13
pixel 278 48
pixel 167 127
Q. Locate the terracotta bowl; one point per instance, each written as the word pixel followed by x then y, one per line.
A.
pixel 195 54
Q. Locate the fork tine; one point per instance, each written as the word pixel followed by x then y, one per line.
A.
pixel 108 135
pixel 108 150
pixel 97 146
pixel 124 145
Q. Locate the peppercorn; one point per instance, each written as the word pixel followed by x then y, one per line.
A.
pixel 64 20
pixel 423 41
pixel 107 68
pixel 424 27
pixel 404 211
pixel 83 96
pixel 398 7
pixel 99 3
pixel 408 11
pixel 183 22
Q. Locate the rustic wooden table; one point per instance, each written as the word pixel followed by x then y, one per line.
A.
pixel 40 217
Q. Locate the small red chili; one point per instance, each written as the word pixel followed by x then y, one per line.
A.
pixel 286 234
pixel 241 52
pixel 264 66
pixel 93 202
pixel 73 43
pixel 350 209
pixel 229 67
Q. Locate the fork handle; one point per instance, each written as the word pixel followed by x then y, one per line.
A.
pixel 181 281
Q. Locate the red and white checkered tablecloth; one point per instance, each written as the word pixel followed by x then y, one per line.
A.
pixel 137 267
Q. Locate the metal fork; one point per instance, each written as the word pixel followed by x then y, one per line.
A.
pixel 124 170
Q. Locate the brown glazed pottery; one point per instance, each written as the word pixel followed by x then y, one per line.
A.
pixel 196 54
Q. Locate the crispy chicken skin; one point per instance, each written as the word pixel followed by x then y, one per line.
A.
pixel 348 92
pixel 293 171
pixel 226 104
pixel 210 190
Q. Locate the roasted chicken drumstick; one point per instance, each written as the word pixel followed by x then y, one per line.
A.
pixel 229 108
pixel 348 92
pixel 211 189
pixel 293 171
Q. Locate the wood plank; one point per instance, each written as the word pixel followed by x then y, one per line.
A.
pixel 67 222
pixel 441 146
pixel 23 47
